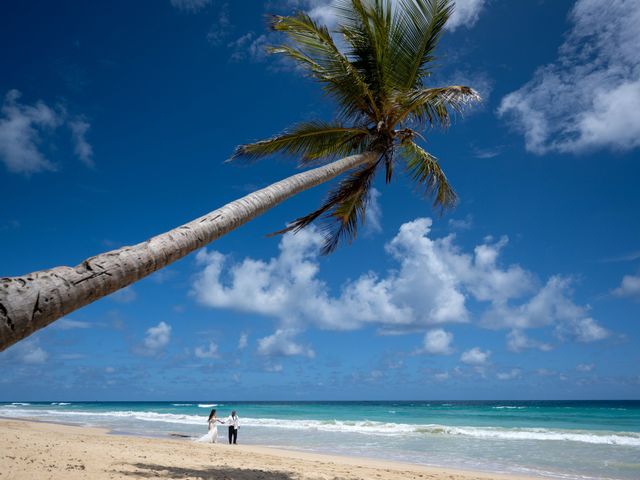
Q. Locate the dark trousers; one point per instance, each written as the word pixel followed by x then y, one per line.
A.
pixel 233 435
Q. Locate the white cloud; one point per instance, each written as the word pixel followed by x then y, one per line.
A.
pixel 585 367
pixel 437 342
pixel 251 46
pixel 192 6
pixel 22 128
pixel 28 352
pixel 374 213
pixel 423 292
pixel 156 339
pixel 510 375
pixel 551 305
pixel 282 343
pixel 210 351
pixel 475 356
pixel 589 98
pixel 430 286
pixel 517 341
pixel 585 330
pixel 629 287
pixel 242 341
pixel 465 13
pixel 68 324
pixel 82 148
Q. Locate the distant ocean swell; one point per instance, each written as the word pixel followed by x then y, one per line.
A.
pixel 628 439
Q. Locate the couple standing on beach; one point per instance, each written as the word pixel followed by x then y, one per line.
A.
pixel 233 422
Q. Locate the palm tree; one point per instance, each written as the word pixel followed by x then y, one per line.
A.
pixel 378 79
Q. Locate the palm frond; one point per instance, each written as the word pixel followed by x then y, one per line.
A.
pixel 365 25
pixel 425 170
pixel 343 210
pixel 311 141
pixel 419 26
pixel 317 52
pixel 432 106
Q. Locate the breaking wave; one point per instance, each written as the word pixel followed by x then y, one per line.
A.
pixel 629 439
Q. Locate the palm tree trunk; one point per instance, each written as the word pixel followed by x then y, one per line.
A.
pixel 31 302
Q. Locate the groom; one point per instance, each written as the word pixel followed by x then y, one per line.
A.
pixel 234 425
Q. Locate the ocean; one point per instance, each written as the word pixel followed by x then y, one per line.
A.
pixel 557 439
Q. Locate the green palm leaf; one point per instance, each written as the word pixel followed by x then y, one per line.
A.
pixel 317 53
pixel 425 170
pixel 309 141
pixel 378 78
pixel 433 106
pixel 343 210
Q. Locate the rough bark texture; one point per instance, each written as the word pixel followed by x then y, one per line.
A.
pixel 31 302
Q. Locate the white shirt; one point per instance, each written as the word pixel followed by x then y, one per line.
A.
pixel 233 421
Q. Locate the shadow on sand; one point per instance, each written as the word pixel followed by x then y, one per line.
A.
pixel 145 470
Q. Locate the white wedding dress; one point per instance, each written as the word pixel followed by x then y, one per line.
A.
pixel 212 435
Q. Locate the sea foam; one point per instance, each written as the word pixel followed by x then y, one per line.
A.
pixel 364 427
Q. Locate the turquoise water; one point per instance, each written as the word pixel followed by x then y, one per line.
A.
pixel 550 439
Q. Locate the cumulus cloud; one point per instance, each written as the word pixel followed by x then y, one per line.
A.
pixel 430 285
pixel 156 339
pixel 191 6
pixel 550 306
pixel 475 356
pixel 629 287
pixel 23 128
pixel 590 97
pixel 207 352
pixel 282 343
pixel 437 342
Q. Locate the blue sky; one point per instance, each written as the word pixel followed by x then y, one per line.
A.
pixel 115 123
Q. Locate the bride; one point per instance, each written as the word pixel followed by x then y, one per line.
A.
pixel 212 434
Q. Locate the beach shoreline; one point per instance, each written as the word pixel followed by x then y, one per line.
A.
pixel 37 449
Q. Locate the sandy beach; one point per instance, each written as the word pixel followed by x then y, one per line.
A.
pixel 46 450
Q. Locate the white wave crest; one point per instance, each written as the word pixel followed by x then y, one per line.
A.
pixel 631 439
pixel 207 405
pixel 182 404
pixel 62 404
pixel 364 427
